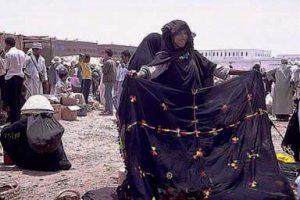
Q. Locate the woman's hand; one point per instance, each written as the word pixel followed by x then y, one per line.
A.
pixel 132 73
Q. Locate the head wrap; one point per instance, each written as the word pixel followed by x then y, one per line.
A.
pixel 172 28
pixel 146 51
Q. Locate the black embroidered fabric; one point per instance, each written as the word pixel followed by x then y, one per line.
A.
pixel 291 140
pixel 209 143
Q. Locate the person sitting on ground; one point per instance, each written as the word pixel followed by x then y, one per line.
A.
pixel 62 86
pixel 34 142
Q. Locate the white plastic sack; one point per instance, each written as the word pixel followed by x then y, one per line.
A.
pixel 37 104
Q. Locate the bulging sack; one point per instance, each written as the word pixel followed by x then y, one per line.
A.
pixel 44 133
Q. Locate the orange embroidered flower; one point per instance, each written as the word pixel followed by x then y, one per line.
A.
pixel 154 151
pixel 235 140
pixel 199 154
pixel 132 98
pixel 253 184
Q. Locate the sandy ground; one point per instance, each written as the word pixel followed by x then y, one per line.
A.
pixel 92 147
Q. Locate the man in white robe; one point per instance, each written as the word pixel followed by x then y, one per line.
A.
pixel 36 71
pixel 282 105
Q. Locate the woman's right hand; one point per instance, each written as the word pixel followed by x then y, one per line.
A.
pixel 132 73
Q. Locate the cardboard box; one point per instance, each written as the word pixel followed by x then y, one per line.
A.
pixel 68 101
pixel 69 113
pixel 57 111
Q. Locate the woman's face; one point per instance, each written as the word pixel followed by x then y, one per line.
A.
pixel 180 39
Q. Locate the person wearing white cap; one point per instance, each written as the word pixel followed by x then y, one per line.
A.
pixel 37 72
pixel 53 74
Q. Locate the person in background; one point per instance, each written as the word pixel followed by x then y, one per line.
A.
pixel 36 71
pixel 2 75
pixel 86 74
pixel 121 74
pixel 109 79
pixel 14 61
pixel 282 105
pixel 78 66
pixel 62 87
pixel 96 79
pixel 52 73
pixel 75 82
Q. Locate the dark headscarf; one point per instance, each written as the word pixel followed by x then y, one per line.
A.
pixel 170 30
pixel 146 51
pixel 187 67
pixel 168 51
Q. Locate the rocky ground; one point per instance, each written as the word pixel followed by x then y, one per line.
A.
pixel 92 147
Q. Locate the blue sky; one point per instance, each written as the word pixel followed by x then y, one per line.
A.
pixel 261 24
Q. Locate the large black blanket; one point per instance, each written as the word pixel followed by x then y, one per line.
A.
pixel 211 143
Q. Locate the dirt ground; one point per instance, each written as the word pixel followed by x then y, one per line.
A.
pixel 92 148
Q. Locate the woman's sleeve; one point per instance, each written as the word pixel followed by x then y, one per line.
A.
pixel 151 72
pixel 221 72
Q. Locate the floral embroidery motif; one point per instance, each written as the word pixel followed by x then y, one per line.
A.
pixel 142 174
pixel 197 133
pixel 253 184
pixel 252 155
pixel 214 132
pixel 199 154
pixel 132 98
pixel 165 107
pixel 234 164
pixel 154 151
pixel 169 175
pixel 206 193
pixel 235 140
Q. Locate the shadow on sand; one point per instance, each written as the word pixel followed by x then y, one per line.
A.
pixel 107 193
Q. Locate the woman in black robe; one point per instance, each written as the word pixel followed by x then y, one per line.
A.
pixel 183 139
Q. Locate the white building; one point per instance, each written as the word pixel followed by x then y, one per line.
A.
pixel 289 56
pixel 235 54
pixel 242 58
